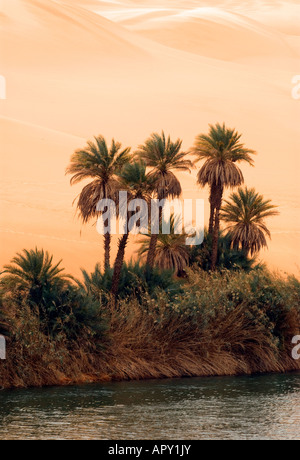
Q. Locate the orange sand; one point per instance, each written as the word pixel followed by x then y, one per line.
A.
pixel 79 68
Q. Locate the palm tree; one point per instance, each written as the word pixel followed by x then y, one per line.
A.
pixel 138 185
pixel 172 253
pixel 101 164
pixel 163 157
pixel 34 277
pixel 97 283
pixel 245 215
pixel 33 273
pixel 221 149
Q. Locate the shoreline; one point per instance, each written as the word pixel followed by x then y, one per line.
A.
pixel 54 377
pixel 221 324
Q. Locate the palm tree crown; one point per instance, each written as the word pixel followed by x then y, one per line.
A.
pixel 221 149
pixel 33 268
pixel 172 253
pixel 163 157
pixel 245 215
pixel 102 164
pixel 135 180
pixel 34 275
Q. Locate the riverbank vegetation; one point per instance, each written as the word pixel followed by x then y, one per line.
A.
pixel 209 323
pixel 180 311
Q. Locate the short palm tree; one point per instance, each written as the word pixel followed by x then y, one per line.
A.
pixel 221 149
pixel 101 164
pixel 138 185
pixel 245 216
pixel 172 253
pixel 33 273
pixel 164 157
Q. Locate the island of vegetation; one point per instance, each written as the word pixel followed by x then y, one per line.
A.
pixel 179 311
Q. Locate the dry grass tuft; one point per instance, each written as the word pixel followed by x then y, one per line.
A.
pixel 223 324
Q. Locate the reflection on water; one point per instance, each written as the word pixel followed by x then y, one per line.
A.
pixel 260 407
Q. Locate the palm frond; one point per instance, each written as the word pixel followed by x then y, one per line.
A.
pixel 172 253
pixel 244 215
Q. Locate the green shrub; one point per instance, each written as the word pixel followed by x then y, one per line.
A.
pixel 61 308
pixel 228 258
pixel 267 300
pixel 135 281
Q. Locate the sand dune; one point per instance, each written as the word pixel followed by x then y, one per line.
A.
pixel 72 73
pixel 60 35
pixel 195 31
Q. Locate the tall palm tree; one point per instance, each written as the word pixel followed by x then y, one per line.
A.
pixel 163 157
pixel 245 215
pixel 172 253
pixel 33 273
pixel 101 164
pixel 221 149
pixel 138 185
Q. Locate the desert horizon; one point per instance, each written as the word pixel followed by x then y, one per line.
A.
pixel 125 69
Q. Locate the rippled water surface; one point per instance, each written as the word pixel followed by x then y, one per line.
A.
pixel 263 407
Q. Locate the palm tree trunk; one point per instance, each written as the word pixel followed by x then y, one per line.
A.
pixel 151 252
pixel 212 199
pixel 107 241
pixel 153 243
pixel 246 248
pixel 211 220
pixel 107 236
pixel 216 229
pixel 119 264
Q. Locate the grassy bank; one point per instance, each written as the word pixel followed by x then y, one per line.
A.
pixel 223 323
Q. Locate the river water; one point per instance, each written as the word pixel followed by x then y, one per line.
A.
pixel 258 407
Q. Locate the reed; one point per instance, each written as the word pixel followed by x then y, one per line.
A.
pixel 226 323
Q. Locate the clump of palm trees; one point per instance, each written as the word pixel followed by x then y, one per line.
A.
pixel 150 173
pixel 34 280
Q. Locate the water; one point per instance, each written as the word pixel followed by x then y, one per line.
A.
pixel 259 407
